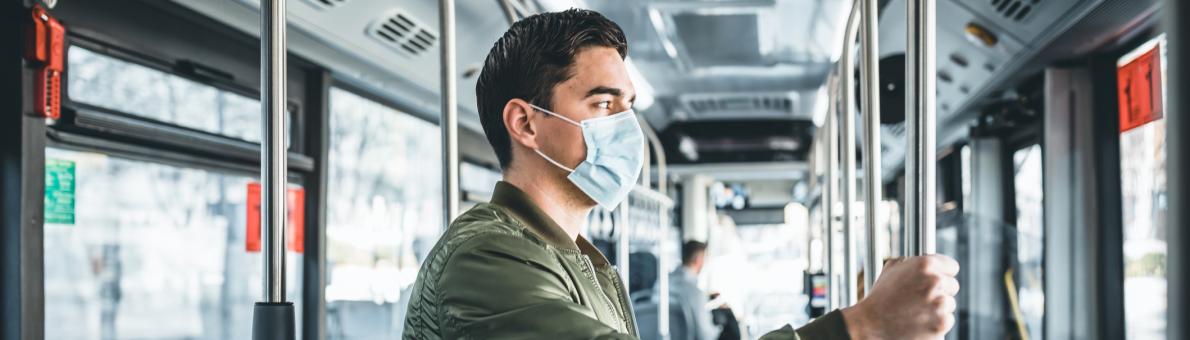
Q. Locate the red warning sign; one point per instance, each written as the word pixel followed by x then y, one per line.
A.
pixel 252 244
pixel 1139 84
pixel 295 202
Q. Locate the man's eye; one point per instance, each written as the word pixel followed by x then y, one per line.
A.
pixel 604 104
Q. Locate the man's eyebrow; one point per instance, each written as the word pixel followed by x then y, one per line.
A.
pixel 604 90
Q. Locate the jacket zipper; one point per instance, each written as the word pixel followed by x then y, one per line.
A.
pixel 595 278
pixel 631 324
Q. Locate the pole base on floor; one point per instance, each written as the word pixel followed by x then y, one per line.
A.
pixel 273 321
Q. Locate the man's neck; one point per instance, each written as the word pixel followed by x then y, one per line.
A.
pixel 552 199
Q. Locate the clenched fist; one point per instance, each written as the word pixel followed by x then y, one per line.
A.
pixel 912 299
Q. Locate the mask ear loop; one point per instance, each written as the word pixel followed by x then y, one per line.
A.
pixel 538 151
pixel 551 160
pixel 568 120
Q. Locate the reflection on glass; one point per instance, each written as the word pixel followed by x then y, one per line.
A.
pixel 115 84
pixel 153 252
pixel 1027 276
pixel 383 214
pixel 1142 180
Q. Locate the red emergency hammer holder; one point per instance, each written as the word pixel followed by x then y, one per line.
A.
pixel 45 48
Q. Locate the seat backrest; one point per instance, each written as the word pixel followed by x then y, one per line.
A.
pixel 647 320
pixel 681 319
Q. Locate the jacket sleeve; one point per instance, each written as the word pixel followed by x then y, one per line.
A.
pixel 507 287
pixel 828 327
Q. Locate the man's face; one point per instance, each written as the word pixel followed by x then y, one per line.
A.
pixel 600 87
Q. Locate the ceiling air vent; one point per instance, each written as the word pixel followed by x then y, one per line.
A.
pixel 399 32
pixel 326 4
pixel 737 104
pixel 1015 10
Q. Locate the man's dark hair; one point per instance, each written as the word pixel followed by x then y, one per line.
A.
pixel 690 249
pixel 533 56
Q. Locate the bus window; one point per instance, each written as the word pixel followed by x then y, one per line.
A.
pixel 477 183
pixel 383 215
pixel 1142 170
pixel 140 250
pixel 110 83
pixel 1027 275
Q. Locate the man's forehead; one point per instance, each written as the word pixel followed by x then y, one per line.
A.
pixel 600 68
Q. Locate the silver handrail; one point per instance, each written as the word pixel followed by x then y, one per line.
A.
pixel 920 102
pixel 662 196
pixel 273 318
pixel 847 153
pixel 870 107
pixel 450 113
pixel 272 152
pixel 832 163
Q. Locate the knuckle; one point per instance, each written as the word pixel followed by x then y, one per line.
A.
pixel 924 263
pixel 954 283
pixel 947 322
pixel 938 305
pixel 938 324
pixel 932 282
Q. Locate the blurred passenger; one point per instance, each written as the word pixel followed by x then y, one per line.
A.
pixel 684 292
pixel 555 102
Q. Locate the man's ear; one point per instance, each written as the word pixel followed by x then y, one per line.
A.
pixel 518 120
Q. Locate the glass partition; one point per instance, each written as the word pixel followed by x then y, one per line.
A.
pixel 144 250
pixel 1143 181
pixel 111 83
pixel 384 200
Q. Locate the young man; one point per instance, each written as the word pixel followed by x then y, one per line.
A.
pixel 555 101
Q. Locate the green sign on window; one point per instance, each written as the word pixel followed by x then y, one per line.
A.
pixel 59 191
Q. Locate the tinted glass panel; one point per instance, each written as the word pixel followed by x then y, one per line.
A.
pixel 142 250
pixel 1143 184
pixel 115 84
pixel 384 213
pixel 1028 299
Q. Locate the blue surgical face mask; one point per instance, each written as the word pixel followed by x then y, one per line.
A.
pixel 615 155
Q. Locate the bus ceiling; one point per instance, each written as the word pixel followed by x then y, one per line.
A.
pixel 749 62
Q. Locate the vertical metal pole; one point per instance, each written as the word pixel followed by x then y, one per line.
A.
pixel 663 220
pixel 1179 237
pixel 450 114
pixel 832 163
pixel 870 92
pixel 663 264
pixel 273 319
pixel 847 153
pixel 920 106
pixel 272 171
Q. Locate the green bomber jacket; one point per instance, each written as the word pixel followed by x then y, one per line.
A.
pixel 505 270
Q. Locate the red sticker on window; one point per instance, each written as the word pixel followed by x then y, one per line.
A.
pixel 1139 85
pixel 295 221
pixel 253 240
pixel 296 200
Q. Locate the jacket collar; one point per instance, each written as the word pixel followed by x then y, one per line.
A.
pixel 518 203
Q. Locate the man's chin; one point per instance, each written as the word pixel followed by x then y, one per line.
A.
pixel 578 196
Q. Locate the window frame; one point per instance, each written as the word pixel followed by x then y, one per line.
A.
pixel 90 120
pixel 1108 181
pixel 103 28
